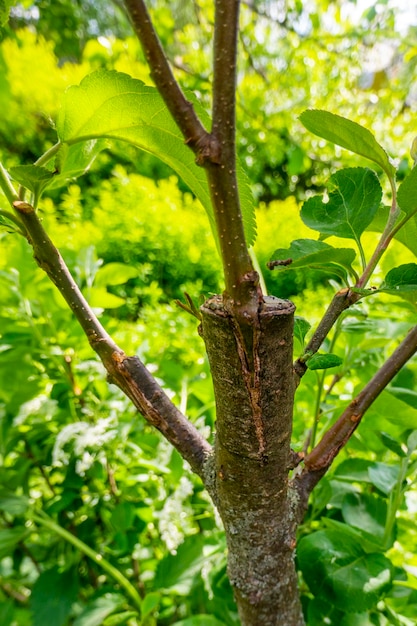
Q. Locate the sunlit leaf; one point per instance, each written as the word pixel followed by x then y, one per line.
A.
pixel 114 105
pixel 354 197
pixel 100 298
pixel 407 235
pixel 347 134
pixel 75 160
pixel 33 177
pixel 114 274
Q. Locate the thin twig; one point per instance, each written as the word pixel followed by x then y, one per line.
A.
pixel 128 373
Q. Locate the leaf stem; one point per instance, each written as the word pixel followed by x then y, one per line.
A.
pixel 47 522
pixel 48 155
pixel 7 187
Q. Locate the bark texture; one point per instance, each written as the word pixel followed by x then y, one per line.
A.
pixel 254 389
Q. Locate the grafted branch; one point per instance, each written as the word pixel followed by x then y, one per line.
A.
pixel 241 280
pixel 321 457
pixel 128 373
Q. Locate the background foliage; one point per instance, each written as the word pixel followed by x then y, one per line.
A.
pixel 79 469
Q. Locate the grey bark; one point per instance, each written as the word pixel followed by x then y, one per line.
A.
pixel 254 389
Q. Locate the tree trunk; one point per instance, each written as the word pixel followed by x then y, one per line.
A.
pixel 254 389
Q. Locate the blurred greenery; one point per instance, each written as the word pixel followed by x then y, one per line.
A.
pixel 74 455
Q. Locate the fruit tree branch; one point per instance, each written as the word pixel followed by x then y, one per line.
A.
pixel 128 373
pixel 321 457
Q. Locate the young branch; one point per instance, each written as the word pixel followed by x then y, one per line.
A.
pixel 215 151
pixel 342 300
pixel 240 278
pixel 321 457
pixel 182 111
pixel 128 373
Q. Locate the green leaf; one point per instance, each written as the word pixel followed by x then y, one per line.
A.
pixel 100 298
pixel 96 611
pixel 11 504
pixel 392 444
pixel 120 618
pixel 150 603
pixel 354 197
pixel 52 597
pixel 354 470
pixel 114 105
pixel 9 538
pixel 407 193
pixel 407 234
pixel 5 11
pixel 312 254
pixel 347 134
pixel 33 177
pixel 199 620
pixel 177 572
pixel 384 477
pixel 402 282
pixel 367 513
pixel 114 274
pixel 301 328
pixel 322 361
pixel 122 516
pixel 75 160
pixel 337 569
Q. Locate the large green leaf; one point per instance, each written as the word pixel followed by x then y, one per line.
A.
pixel 337 569
pixel 53 596
pixel 347 134
pixel 312 254
pixel 114 105
pixel 354 197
